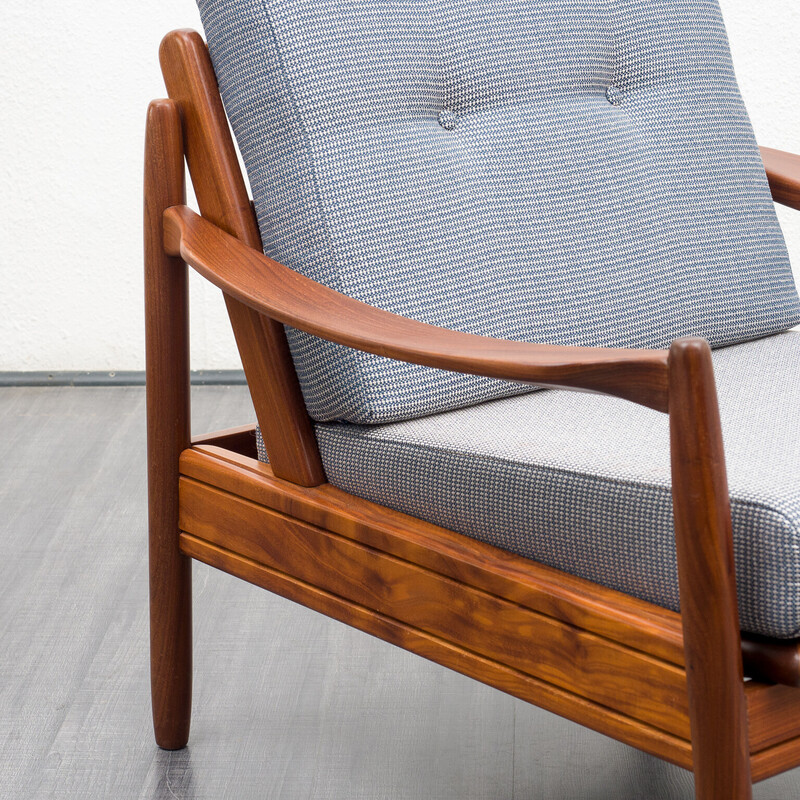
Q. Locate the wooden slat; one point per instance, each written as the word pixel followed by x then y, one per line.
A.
pixel 573 600
pixel 773 714
pixel 775 760
pixel 241 439
pixel 606 672
pixel 505 678
pixel 223 199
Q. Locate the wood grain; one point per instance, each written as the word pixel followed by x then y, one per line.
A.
pixel 575 601
pixel 241 439
pixel 773 715
pixel 288 297
pixel 168 431
pixel 451 655
pixel 223 199
pixel 775 760
pixel 618 616
pixel 706 576
pixel 606 672
pixel 783 174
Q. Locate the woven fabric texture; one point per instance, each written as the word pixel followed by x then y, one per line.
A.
pixel 564 172
pixel 582 482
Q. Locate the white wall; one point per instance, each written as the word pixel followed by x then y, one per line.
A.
pixel 75 80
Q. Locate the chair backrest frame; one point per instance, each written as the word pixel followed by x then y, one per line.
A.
pixel 221 194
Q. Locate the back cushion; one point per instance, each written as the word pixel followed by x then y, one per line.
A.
pixel 564 171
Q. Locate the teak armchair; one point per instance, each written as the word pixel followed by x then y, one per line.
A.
pixel 671 684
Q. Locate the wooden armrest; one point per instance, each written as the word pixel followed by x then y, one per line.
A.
pixel 783 174
pixel 288 297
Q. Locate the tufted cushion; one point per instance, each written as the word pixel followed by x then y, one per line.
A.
pixel 582 482
pixel 568 171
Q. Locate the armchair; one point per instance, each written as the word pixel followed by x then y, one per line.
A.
pixel 672 684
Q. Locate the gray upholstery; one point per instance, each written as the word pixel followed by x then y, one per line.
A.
pixel 564 171
pixel 581 482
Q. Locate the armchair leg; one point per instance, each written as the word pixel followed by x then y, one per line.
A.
pixel 712 640
pixel 168 432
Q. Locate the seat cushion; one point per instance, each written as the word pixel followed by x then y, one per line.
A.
pixel 582 482
pixel 565 171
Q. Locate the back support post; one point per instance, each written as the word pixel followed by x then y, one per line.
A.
pixel 221 194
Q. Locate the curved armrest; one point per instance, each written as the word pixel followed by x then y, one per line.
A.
pixel 288 297
pixel 783 174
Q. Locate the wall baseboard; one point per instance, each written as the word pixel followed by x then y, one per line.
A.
pixel 202 377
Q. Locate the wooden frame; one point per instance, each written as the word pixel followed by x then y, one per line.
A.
pixel 669 684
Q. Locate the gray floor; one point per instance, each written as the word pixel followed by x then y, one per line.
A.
pixel 288 704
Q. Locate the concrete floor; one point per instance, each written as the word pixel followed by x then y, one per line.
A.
pixel 288 704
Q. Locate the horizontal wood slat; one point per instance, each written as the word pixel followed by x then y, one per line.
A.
pixel 629 681
pixel 773 714
pixel 775 760
pixel 468 663
pixel 634 623
pixel 367 552
pixel 241 439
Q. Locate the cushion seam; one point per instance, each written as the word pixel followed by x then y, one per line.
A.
pixel 308 150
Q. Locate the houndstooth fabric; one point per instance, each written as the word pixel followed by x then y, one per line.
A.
pixel 566 171
pixel 582 483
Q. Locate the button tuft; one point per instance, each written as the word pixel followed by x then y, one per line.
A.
pixel 614 95
pixel 448 119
